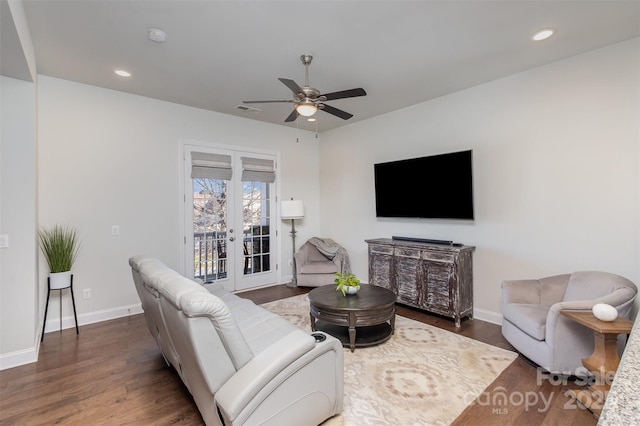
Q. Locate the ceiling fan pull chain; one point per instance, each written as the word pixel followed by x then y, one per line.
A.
pixel 297 132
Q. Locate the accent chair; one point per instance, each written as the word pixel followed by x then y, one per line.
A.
pixel 532 322
pixel 314 269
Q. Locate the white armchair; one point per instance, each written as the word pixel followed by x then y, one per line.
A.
pixel 532 322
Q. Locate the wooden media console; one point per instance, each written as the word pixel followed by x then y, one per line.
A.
pixel 435 277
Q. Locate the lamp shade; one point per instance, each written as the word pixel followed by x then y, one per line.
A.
pixel 306 109
pixel 292 209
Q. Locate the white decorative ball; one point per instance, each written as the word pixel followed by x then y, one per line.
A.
pixel 604 312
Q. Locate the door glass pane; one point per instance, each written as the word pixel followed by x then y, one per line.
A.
pixel 210 229
pixel 256 218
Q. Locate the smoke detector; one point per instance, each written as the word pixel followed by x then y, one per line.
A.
pixel 158 36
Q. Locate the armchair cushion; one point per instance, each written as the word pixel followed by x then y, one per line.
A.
pixel 529 318
pixel 319 267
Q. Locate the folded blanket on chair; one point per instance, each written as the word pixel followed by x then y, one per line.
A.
pixel 332 250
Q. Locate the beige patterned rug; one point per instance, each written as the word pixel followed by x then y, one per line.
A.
pixel 421 376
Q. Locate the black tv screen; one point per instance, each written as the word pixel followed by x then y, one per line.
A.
pixel 433 187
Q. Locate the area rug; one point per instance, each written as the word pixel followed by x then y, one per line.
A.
pixel 421 376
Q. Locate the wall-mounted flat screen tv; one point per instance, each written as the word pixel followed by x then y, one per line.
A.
pixel 433 187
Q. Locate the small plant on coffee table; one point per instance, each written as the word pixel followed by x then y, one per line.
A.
pixel 347 283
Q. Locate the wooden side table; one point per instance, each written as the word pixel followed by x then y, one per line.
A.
pixel 604 360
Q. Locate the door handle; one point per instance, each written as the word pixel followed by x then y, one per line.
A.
pixel 231 239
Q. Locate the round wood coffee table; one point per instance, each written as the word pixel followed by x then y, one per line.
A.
pixel 356 319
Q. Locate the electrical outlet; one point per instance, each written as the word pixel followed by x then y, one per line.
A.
pixel 86 293
pixel 115 230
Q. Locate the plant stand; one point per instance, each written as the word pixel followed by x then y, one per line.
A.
pixel 46 307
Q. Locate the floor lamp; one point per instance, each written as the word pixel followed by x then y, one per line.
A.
pixel 292 209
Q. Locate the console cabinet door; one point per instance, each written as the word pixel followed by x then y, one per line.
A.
pixel 381 266
pixel 438 277
pixel 409 280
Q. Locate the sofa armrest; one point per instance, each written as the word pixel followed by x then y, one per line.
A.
pixel 301 256
pixel 622 299
pixel 243 386
pixel 619 299
pixel 521 291
pixel 553 328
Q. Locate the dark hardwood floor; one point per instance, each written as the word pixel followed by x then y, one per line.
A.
pixel 113 374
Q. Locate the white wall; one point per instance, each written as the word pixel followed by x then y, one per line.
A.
pixel 110 158
pixel 556 182
pixel 19 292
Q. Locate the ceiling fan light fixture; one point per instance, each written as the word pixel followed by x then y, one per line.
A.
pixel 306 109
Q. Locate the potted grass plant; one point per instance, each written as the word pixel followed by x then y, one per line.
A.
pixel 59 245
pixel 347 283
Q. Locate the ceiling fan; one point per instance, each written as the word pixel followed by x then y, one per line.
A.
pixel 308 100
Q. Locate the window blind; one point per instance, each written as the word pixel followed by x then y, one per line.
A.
pixel 258 170
pixel 210 166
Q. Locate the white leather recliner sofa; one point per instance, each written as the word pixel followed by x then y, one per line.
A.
pixel 242 364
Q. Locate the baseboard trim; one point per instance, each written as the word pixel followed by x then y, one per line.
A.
pixel 53 324
pixel 18 358
pixel 30 355
pixel 488 316
pixel 482 314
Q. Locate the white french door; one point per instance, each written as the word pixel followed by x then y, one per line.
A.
pixel 229 211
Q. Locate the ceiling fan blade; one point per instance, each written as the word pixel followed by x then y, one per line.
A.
pixel 352 93
pixel 265 102
pixel 292 116
pixel 292 85
pixel 337 112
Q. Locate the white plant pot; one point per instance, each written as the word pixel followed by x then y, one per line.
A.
pixel 351 289
pixel 58 280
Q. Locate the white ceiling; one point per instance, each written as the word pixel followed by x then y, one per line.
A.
pixel 219 53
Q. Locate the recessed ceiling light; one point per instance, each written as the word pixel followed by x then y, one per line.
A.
pixel 311 119
pixel 543 34
pixel 123 73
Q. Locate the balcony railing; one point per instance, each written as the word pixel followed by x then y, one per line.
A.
pixel 210 255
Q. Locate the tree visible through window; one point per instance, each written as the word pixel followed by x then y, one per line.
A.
pixel 210 228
